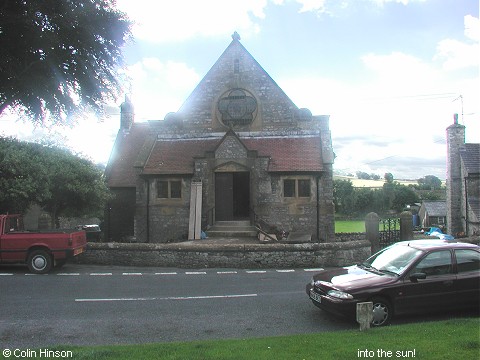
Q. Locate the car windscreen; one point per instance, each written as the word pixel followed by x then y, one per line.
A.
pixel 393 259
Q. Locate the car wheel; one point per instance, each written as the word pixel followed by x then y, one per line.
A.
pixel 39 262
pixel 382 311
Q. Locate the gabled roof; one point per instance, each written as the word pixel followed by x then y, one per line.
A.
pixel 435 208
pixel 470 154
pixel 293 154
pixel 120 171
pixel 222 77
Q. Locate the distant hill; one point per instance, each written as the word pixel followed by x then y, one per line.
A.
pixel 359 183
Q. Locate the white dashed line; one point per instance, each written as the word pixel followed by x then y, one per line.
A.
pixel 226 272
pixel 101 274
pixel 319 269
pixel 166 273
pixel 286 271
pixel 5 274
pixel 195 273
pixel 132 274
pixel 68 274
pixel 255 271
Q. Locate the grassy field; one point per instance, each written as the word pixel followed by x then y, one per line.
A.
pixel 451 339
pixel 349 226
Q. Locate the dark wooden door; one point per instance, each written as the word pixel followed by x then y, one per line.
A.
pixel 223 196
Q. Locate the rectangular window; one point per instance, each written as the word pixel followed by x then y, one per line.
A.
pixel 169 189
pixel 296 188
pixel 303 188
pixel 175 189
pixel 289 188
pixel 162 189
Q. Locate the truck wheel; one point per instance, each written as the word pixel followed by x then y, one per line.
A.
pixel 39 262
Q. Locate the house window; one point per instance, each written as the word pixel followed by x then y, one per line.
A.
pixel 296 188
pixel 303 188
pixel 169 189
pixel 289 188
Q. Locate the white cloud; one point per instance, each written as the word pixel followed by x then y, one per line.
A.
pixel 159 87
pixel 456 54
pixel 170 21
pixel 472 28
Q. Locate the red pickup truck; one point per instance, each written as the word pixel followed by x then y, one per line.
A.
pixel 39 250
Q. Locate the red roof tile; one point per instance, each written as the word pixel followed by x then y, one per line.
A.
pixel 120 171
pixel 297 154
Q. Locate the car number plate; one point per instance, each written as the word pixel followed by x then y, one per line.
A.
pixel 315 296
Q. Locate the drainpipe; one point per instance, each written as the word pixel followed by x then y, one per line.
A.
pixel 466 205
pixel 318 208
pixel 148 210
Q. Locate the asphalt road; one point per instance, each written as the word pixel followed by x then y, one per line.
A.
pixel 82 304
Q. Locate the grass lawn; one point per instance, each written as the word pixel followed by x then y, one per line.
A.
pixel 349 226
pixel 450 339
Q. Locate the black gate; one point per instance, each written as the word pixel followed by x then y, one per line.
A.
pixel 389 231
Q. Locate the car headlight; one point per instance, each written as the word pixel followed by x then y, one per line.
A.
pixel 312 282
pixel 340 294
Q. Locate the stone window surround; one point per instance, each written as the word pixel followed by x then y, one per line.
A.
pixel 169 182
pixel 296 179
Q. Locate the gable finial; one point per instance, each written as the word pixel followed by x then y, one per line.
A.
pixel 236 36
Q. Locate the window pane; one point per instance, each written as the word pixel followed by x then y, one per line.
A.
pixel 289 188
pixel 303 188
pixel 467 260
pixel 436 263
pixel 175 189
pixel 162 189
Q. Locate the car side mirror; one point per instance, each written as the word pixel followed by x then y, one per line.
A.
pixel 418 276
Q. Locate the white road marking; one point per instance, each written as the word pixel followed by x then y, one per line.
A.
pixel 196 273
pixel 5 274
pixel 226 272
pixel 286 271
pixel 101 274
pixel 319 269
pixel 68 274
pixel 166 273
pixel 115 299
pixel 255 271
pixel 170 298
pixel 132 274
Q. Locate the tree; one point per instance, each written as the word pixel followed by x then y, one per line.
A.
pixel 388 177
pixel 430 182
pixel 61 183
pixel 343 196
pixel 59 56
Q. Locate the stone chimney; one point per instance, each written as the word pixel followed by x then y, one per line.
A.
pixel 127 114
pixel 455 141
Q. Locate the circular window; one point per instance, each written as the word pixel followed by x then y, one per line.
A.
pixel 237 107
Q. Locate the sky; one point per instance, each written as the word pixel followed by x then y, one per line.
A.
pixel 390 73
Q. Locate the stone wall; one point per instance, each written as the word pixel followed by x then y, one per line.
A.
pixel 198 255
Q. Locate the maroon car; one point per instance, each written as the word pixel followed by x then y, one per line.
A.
pixel 415 276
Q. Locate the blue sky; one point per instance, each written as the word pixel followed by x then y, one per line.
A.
pixel 386 71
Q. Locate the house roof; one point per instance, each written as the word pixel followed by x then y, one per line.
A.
pixel 470 154
pixel 435 208
pixel 120 171
pixel 299 154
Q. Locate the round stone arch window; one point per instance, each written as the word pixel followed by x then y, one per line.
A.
pixel 237 107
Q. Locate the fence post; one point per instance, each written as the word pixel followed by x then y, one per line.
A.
pixel 372 221
pixel 406 226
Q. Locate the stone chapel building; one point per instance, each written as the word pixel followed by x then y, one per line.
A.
pixel 237 149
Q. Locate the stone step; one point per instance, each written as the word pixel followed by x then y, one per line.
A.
pixel 232 229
